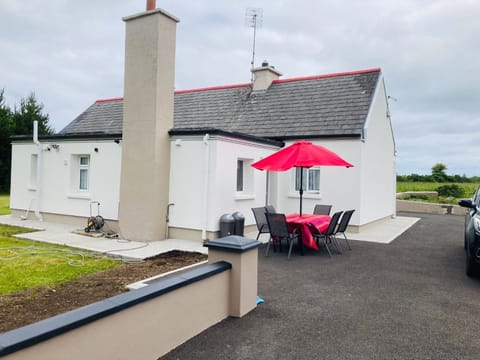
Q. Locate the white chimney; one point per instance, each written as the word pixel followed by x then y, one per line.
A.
pixel 264 76
pixel 147 118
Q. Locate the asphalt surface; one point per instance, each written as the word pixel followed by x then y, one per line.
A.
pixel 409 299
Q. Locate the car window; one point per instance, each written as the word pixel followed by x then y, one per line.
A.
pixel 476 198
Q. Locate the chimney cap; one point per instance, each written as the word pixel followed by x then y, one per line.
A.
pixel 265 63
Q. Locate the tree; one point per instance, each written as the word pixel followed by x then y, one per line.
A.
pixel 30 111
pixel 438 172
pixel 18 122
pixel 5 133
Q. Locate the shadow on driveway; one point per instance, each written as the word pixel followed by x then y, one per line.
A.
pixel 409 299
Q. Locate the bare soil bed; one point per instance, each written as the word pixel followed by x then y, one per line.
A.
pixel 28 306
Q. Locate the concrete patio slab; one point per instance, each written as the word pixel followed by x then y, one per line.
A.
pixel 62 234
pixel 384 232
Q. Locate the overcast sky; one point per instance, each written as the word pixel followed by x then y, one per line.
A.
pixel 71 53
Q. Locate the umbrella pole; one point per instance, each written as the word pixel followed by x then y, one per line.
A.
pixel 301 189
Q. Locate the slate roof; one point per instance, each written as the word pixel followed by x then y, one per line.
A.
pixel 317 106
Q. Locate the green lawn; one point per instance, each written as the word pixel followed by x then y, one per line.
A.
pixel 468 190
pixel 402 186
pixel 28 264
pixel 4 204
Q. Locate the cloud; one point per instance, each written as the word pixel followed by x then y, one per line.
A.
pixel 71 53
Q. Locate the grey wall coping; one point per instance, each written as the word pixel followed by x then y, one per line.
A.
pixel 233 243
pixel 29 335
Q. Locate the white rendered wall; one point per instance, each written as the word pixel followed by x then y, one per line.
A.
pixel 57 196
pixel 187 181
pixel 378 159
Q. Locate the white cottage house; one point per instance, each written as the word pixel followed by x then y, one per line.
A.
pixel 168 164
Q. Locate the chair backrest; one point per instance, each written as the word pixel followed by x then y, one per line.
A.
pixel 277 224
pixel 322 209
pixel 260 219
pixel 347 215
pixel 333 223
pixel 270 209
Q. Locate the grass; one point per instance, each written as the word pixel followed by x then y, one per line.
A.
pixel 29 264
pixel 402 186
pixel 4 204
pixel 468 191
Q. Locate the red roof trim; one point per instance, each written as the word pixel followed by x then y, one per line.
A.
pixel 212 88
pixel 326 76
pixel 274 82
pixel 111 99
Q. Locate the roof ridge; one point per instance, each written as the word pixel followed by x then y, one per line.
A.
pixel 279 81
pixel 221 87
pixel 314 77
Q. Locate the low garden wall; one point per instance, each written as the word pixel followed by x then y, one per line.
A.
pixel 148 322
pixel 431 208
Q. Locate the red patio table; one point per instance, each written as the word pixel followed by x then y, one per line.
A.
pixel 304 223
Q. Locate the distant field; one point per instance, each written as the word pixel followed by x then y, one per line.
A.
pixel 402 186
pixel 4 204
pixel 468 190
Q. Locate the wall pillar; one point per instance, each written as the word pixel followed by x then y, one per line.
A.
pixel 242 254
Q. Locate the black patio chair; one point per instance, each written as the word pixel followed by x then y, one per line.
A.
pixel 347 215
pixel 278 226
pixel 328 236
pixel 261 220
pixel 322 209
pixel 270 209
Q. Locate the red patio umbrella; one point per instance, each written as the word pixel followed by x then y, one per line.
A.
pixel 301 154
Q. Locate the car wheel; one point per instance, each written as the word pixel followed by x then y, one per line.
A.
pixel 471 266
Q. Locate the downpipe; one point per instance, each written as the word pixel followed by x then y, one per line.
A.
pixel 205 186
pixel 39 171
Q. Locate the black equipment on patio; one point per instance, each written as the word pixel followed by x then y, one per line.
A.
pixel 94 223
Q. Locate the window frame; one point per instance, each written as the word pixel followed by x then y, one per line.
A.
pixel 84 168
pixel 307 180
pixel 246 173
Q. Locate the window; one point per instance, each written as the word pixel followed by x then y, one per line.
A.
pixel 239 175
pixel 80 175
pixel 33 171
pixel 311 179
pixel 83 167
pixel 245 176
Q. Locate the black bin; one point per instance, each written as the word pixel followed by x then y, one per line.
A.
pixel 227 225
pixel 239 223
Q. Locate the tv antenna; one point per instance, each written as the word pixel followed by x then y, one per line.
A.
pixel 253 18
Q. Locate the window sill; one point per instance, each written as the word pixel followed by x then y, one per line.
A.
pixel 85 196
pixel 306 195
pixel 244 196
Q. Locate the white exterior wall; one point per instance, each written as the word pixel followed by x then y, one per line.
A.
pixel 188 174
pixel 378 177
pixel 57 196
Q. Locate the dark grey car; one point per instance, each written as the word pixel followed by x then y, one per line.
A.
pixel 472 234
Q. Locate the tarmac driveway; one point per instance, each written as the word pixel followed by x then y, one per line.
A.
pixel 409 299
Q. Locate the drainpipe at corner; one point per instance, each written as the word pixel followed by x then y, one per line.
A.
pixel 38 180
pixel 205 186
